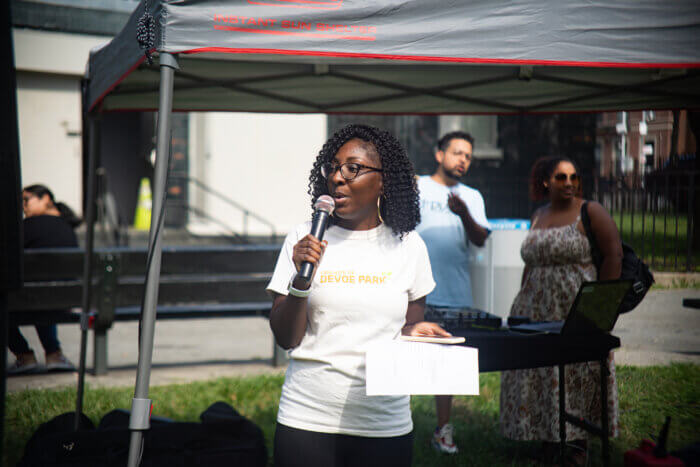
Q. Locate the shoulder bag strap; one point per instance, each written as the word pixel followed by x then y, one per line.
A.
pixel 586 221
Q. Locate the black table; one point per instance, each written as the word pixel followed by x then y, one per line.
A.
pixel 501 350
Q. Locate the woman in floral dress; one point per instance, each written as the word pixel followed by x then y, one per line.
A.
pixel 558 259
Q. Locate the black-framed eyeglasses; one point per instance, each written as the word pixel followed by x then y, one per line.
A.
pixel 348 170
pixel 561 177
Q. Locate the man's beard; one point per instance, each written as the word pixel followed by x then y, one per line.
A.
pixel 453 174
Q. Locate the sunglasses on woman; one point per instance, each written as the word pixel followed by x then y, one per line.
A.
pixel 560 177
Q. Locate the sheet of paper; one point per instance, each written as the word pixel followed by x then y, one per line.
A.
pixel 401 367
pixel 433 339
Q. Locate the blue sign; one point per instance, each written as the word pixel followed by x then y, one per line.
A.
pixel 509 224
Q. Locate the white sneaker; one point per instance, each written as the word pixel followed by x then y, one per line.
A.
pixel 443 439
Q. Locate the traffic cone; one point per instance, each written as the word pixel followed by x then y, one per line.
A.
pixel 142 218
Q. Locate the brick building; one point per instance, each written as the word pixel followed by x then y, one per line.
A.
pixel 632 144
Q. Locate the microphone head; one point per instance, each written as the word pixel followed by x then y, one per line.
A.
pixel 325 203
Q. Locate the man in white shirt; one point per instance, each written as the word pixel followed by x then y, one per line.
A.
pixel 452 217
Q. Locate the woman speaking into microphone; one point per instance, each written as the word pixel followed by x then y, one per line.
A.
pixel 369 279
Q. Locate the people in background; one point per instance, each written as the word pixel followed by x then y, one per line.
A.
pixel 453 218
pixel 371 276
pixel 557 257
pixel 47 224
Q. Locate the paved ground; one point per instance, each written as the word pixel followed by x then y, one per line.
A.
pixel 659 331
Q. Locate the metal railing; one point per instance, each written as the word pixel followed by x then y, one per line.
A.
pixel 658 219
pixel 245 212
pixel 505 195
pixel 113 230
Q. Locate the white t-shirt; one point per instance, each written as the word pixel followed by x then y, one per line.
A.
pixel 444 235
pixel 359 296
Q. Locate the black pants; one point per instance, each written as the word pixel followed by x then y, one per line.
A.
pixel 47 335
pixel 301 448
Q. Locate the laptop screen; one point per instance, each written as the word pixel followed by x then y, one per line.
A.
pixel 596 306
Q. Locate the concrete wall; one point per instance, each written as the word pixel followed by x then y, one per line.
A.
pixel 49 68
pixel 260 161
pixel 49 134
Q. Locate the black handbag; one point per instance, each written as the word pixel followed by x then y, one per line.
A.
pixel 223 438
pixel 632 266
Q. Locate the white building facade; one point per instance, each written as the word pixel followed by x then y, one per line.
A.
pixel 259 162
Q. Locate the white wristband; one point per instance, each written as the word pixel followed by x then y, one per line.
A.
pixel 296 292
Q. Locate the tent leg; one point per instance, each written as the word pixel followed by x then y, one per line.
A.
pixel 99 339
pixel 93 142
pixel 279 355
pixel 140 408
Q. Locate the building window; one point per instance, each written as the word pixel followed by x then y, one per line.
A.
pixel 484 129
pixel 648 152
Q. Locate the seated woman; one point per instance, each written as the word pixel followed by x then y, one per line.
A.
pixel 47 224
pixel 372 274
pixel 558 259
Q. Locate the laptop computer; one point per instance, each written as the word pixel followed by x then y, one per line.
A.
pixel 595 310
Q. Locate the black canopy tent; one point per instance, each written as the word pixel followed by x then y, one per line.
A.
pixel 390 56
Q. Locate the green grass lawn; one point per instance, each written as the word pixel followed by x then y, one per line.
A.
pixel 661 240
pixel 647 395
pixel 678 283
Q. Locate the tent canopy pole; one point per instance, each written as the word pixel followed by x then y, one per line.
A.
pixel 140 408
pixel 93 145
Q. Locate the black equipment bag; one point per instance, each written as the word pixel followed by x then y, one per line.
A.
pixel 56 443
pixel 224 438
pixel 632 267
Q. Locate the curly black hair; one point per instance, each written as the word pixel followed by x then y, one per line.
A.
pixel 399 206
pixel 542 170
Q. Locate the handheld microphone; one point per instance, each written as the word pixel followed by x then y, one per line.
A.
pixel 323 208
